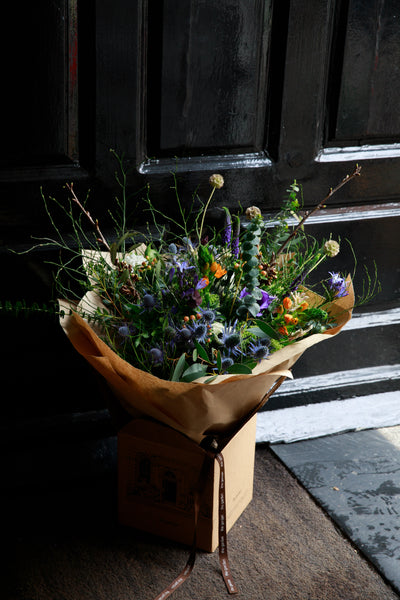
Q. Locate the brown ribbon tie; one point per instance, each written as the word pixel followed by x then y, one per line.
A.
pixel 222 535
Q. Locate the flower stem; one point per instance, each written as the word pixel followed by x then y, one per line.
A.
pixel 204 214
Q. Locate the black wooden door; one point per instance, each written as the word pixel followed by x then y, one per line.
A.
pixel 262 91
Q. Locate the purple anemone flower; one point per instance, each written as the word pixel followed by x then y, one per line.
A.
pixel 337 285
pixel 266 299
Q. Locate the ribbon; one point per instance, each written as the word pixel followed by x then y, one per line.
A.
pixel 211 455
pixel 222 535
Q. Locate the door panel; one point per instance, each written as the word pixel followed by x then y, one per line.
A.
pixel 213 77
pixel 369 87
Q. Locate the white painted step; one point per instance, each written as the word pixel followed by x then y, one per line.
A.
pixel 316 420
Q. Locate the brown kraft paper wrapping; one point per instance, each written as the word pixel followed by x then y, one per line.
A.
pixel 195 409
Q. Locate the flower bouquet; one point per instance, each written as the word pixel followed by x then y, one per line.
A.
pixel 195 326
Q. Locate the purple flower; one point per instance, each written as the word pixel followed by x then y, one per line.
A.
pixel 226 238
pixel 265 301
pixel 337 285
pixel 235 239
pixel 202 283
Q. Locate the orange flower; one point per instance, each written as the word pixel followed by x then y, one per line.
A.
pixel 279 310
pixel 219 272
pixel 214 266
pixel 282 330
pixel 287 303
pixel 217 269
pixel 288 319
pixel 304 306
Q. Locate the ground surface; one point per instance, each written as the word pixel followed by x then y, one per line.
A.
pixel 67 545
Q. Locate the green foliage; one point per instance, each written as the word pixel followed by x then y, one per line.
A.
pixel 182 307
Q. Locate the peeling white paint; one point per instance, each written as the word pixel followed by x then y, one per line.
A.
pixel 326 418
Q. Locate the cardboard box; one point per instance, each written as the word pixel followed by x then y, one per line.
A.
pixel 158 469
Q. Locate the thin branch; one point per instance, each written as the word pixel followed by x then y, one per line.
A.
pixel 95 224
pixel 332 191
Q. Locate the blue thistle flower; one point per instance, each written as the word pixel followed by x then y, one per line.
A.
pixel 124 331
pixel 156 356
pixel 231 338
pixel 259 351
pixel 199 331
pixel 226 363
pixel 208 315
pixel 148 301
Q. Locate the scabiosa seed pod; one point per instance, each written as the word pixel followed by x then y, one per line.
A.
pixel 253 212
pixel 331 248
pixel 217 181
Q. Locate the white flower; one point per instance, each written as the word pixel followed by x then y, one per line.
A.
pixel 297 300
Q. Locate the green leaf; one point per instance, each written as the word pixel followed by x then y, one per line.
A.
pixel 194 372
pixel 237 369
pixel 257 332
pixel 267 329
pixel 219 361
pixel 242 311
pixel 194 355
pixel 254 309
pixel 201 351
pixel 180 365
pixel 210 379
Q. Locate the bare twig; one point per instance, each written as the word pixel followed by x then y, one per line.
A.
pixel 95 224
pixel 332 191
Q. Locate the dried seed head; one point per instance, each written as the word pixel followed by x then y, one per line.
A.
pixel 216 181
pixel 331 248
pixel 253 212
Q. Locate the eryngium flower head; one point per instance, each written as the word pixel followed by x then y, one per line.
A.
pixel 331 248
pixel 253 212
pixel 216 181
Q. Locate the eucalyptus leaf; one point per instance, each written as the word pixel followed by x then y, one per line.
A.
pixel 219 361
pixel 180 366
pixel 258 332
pixel 239 369
pixel 254 309
pixel 211 379
pixel 267 329
pixel 194 372
pixel 201 351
